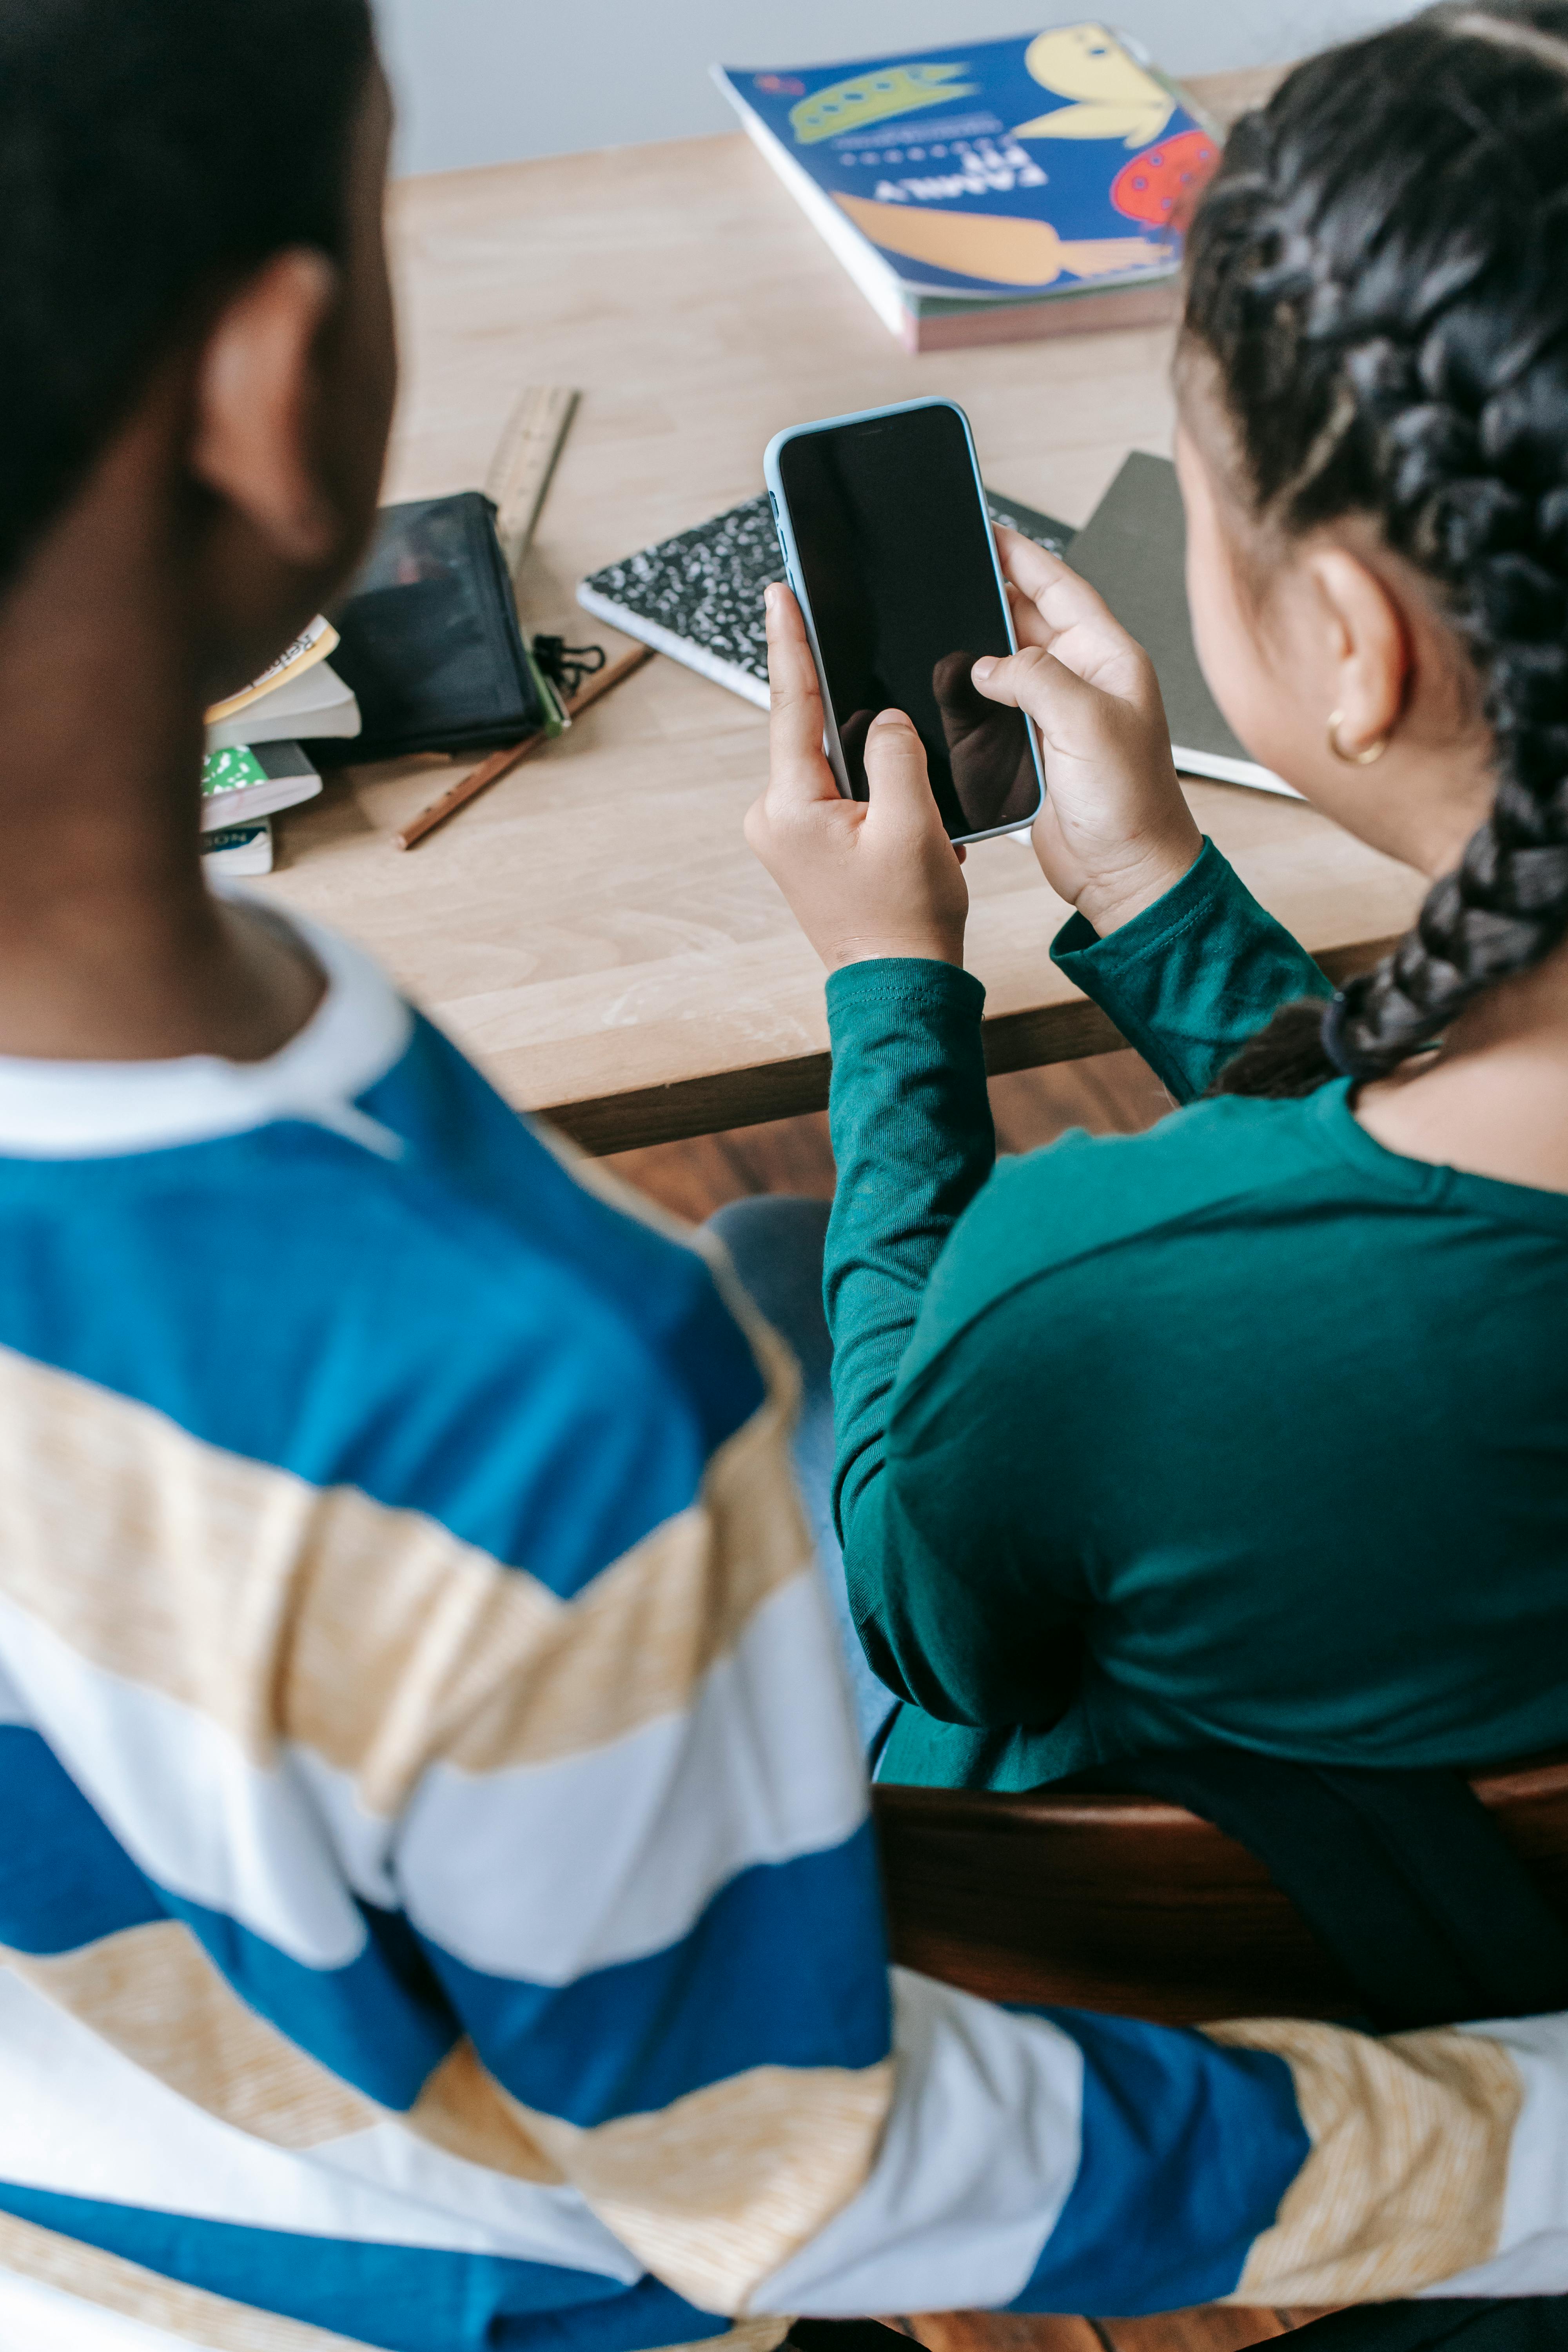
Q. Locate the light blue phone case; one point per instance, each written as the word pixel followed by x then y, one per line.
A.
pixel 793 569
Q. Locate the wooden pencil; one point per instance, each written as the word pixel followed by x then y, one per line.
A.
pixel 501 763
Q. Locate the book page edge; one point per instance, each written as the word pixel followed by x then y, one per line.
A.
pixel 682 649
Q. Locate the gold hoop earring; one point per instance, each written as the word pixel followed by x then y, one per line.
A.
pixel 1355 758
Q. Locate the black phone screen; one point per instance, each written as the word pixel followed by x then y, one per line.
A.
pixel 895 546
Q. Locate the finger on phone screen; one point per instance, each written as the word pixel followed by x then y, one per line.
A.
pixel 896 775
pixel 852 734
pixel 798 770
pixel 1033 679
pixel 1061 598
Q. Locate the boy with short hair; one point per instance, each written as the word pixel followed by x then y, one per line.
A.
pixel 435 1880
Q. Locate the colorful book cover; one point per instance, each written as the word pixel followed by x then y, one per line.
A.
pixel 984 169
pixel 241 781
pixel 241 849
pixel 230 770
pixel 312 646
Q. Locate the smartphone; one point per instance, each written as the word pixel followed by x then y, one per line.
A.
pixel 889 549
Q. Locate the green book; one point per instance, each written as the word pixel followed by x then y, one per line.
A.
pixel 246 781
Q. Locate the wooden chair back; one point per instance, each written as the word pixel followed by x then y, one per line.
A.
pixel 1125 1904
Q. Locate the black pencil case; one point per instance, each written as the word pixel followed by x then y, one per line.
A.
pixel 429 640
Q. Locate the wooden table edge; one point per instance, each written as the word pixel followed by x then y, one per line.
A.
pixel 750 1095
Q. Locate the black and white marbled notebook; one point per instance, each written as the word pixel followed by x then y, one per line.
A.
pixel 698 597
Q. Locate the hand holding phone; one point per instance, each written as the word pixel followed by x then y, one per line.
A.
pixel 889 549
pixel 1115 833
pixel 869 878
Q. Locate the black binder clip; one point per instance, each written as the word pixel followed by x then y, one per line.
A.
pixel 567 666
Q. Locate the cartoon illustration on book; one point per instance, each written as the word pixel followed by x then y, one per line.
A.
pixel 1162 185
pixel 907 167
pixel 873 98
pixel 1114 97
pixel 1001 247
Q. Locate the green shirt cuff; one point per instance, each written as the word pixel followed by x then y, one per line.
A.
pixel 1185 902
pixel 1193 976
pixel 935 992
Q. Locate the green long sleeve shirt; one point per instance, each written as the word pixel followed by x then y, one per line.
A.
pixel 1245 1429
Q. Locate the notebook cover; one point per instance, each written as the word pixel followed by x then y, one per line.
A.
pixel 429 637
pixel 699 596
pixel 1133 549
pixel 990 170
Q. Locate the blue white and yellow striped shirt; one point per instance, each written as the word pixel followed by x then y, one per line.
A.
pixel 437 1893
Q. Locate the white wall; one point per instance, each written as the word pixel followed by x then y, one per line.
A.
pixel 485 81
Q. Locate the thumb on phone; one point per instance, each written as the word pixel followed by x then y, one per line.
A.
pixel 905 842
pixel 897 783
pixel 897 788
pixel 1035 681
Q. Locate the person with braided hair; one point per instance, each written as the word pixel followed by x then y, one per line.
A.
pixel 1252 1430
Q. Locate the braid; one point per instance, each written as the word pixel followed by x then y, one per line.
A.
pixel 1381 274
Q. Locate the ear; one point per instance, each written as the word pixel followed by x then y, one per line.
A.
pixel 1366 647
pixel 253 441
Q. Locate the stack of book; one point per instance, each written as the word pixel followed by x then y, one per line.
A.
pixel 254 764
pixel 989 191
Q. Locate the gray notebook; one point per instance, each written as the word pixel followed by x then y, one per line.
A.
pixel 1133 549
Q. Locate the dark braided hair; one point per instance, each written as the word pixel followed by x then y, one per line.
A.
pixel 1379 273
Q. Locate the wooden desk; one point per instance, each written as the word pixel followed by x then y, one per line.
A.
pixel 594 930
